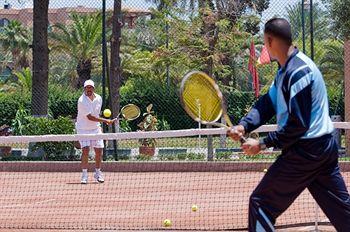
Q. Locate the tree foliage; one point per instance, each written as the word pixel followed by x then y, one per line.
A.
pixel 81 40
pixel 214 39
pixel 340 13
pixel 16 40
pixel 24 79
pixel 321 21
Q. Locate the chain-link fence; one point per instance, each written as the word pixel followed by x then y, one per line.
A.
pixel 161 40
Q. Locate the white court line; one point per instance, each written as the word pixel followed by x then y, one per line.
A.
pixel 28 204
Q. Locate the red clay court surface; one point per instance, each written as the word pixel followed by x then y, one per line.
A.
pixel 56 201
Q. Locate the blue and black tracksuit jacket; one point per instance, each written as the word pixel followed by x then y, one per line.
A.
pixel 298 98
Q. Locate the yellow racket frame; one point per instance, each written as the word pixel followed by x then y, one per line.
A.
pixel 202 99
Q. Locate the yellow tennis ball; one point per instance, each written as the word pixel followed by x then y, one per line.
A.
pixel 107 113
pixel 265 170
pixel 167 223
pixel 194 208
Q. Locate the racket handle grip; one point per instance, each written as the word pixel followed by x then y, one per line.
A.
pixel 243 139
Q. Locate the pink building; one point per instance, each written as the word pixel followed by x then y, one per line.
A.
pixel 61 15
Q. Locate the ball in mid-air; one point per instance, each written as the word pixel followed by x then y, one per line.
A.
pixel 265 170
pixel 107 113
pixel 167 223
pixel 194 208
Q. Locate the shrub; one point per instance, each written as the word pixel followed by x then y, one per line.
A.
pixel 238 104
pixel 9 104
pixel 28 125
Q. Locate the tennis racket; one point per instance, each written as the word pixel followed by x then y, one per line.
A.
pixel 129 112
pixel 203 101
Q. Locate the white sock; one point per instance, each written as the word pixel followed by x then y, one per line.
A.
pixel 84 170
pixel 97 169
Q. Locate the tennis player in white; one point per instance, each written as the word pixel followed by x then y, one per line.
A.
pixel 88 122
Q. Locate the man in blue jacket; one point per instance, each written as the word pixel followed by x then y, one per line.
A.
pixel 309 159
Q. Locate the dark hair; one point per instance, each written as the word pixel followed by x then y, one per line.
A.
pixel 280 28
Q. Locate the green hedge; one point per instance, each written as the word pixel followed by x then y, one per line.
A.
pixel 9 104
pixel 166 104
pixel 50 150
pixel 142 92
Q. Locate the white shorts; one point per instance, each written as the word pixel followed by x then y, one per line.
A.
pixel 91 143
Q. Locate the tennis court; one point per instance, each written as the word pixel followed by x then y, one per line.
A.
pixel 140 53
pixel 140 196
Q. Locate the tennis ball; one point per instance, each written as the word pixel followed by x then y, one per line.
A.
pixel 265 170
pixel 194 208
pixel 107 113
pixel 167 223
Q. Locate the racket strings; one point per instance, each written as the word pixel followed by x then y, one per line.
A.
pixel 130 112
pixel 201 98
pixel 205 111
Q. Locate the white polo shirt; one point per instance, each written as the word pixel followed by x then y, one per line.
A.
pixel 85 107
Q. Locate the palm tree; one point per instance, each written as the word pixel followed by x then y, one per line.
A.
pixel 320 20
pixel 164 4
pixel 81 40
pixel 332 61
pixel 115 62
pixel 62 72
pixel 24 79
pixel 17 40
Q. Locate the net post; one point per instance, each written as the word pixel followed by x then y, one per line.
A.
pixel 317 208
pixel 210 155
pixel 199 124
pixel 115 129
pixel 223 136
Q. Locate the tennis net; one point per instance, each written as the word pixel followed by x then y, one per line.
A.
pixel 40 181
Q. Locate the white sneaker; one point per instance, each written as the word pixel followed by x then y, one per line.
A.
pixel 99 176
pixel 84 178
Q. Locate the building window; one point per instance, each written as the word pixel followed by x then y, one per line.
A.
pixel 4 22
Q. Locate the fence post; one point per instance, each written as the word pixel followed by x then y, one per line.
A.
pixel 347 92
pixel 336 132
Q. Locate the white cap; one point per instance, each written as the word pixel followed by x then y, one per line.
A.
pixel 89 82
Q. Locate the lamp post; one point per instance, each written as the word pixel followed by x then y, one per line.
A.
pixel 303 24
pixel 308 6
pixel 311 31
pixel 104 52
